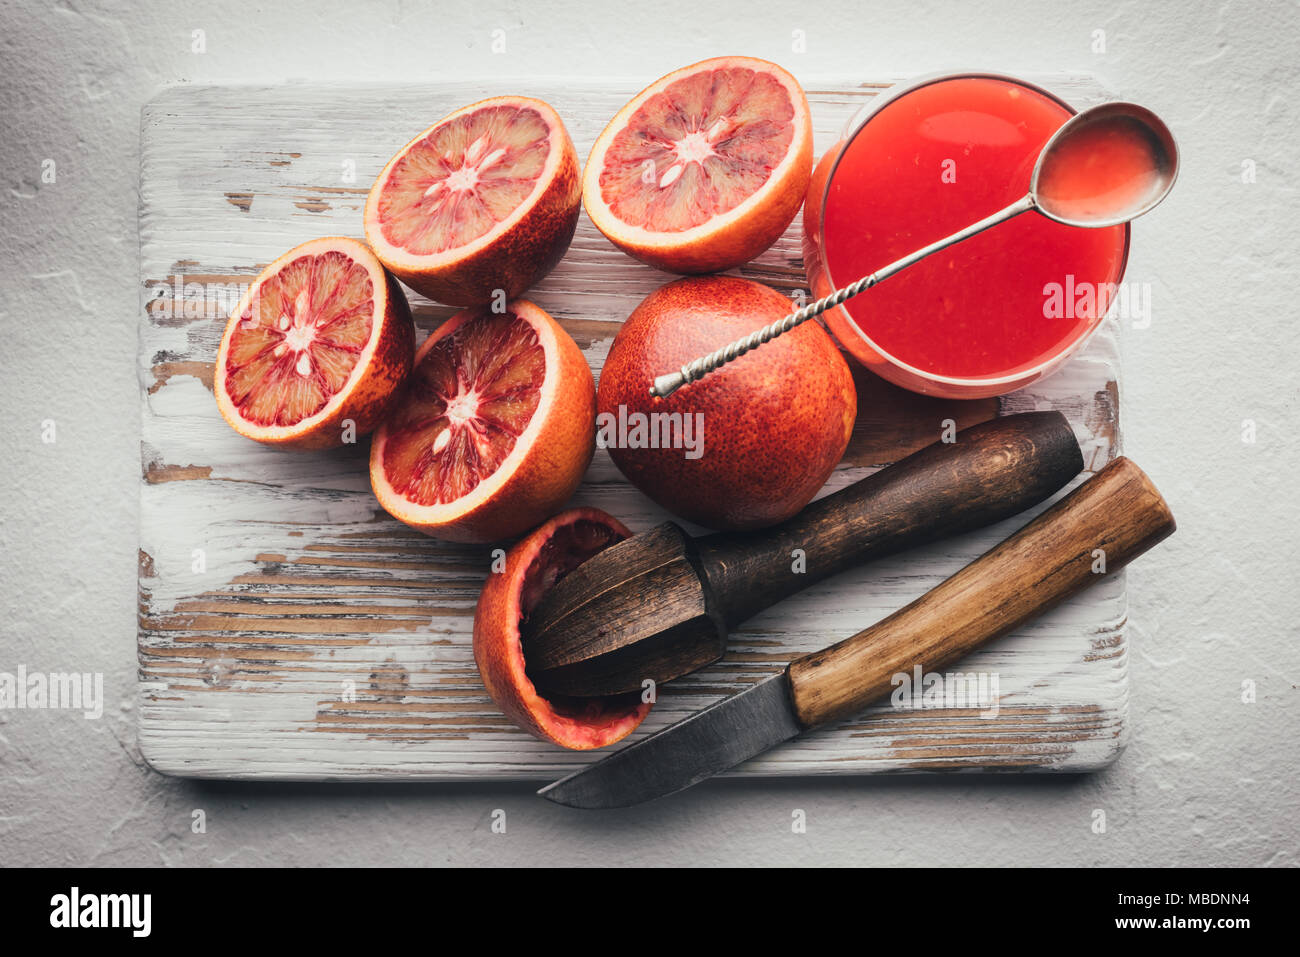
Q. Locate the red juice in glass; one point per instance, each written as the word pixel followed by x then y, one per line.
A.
pixel 987 315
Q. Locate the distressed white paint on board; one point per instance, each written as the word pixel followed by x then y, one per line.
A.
pixel 306 586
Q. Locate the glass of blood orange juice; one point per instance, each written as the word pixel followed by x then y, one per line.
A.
pixel 984 316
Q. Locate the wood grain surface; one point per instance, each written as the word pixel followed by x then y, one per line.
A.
pixel 289 629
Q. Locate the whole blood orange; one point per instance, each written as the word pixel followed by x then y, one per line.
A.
pixel 705 168
pixel 486 199
pixel 495 430
pixel 317 349
pixel 746 446
pixel 509 596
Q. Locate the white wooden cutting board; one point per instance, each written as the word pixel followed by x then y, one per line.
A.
pixel 290 629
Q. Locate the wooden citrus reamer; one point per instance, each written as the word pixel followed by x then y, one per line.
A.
pixel 660 604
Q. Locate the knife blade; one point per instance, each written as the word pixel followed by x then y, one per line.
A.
pixel 720 736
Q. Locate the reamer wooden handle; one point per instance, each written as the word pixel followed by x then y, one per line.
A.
pixel 990 472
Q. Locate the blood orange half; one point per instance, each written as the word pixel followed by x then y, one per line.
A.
pixel 485 199
pixel 705 168
pixel 317 349
pixel 509 596
pixel 495 430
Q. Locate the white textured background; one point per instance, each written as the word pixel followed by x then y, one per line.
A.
pixel 1206 778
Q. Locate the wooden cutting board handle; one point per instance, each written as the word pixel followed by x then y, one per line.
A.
pixel 1097 529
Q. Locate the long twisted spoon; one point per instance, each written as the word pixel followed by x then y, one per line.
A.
pixel 1139 163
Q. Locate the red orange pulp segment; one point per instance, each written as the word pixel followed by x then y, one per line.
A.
pixel 705 168
pixel 495 430
pixel 486 199
pixel 316 350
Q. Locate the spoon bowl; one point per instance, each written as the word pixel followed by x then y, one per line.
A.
pixel 1105 166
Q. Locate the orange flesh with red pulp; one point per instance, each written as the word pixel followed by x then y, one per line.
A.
pixel 470 398
pixel 300 338
pixel 463 178
pixel 697 149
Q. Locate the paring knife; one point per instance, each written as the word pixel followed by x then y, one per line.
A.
pixel 1104 523
pixel 659 605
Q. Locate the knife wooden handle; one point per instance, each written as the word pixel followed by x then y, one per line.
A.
pixel 1114 517
pixel 991 471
